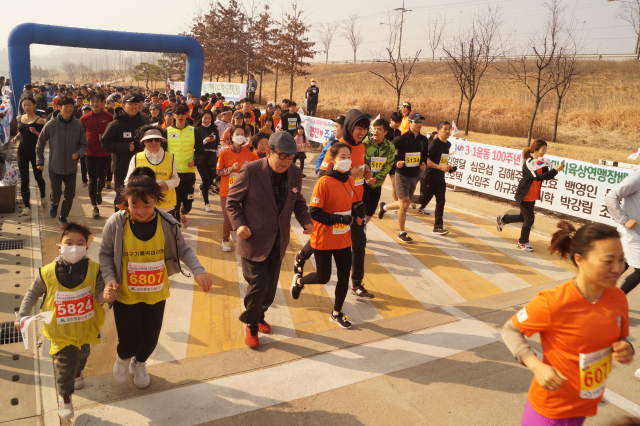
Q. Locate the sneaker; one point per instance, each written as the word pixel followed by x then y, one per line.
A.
pixel 361 292
pixel 253 341
pixel 85 184
pixel 120 369
pixel 79 384
pixel 65 408
pixel 264 327
pixel 139 372
pixel 200 188
pixel 213 191
pixel 499 223
pixel 26 212
pixel 99 198
pixel 62 220
pixel 440 231
pixel 637 374
pixel 96 212
pixel 423 211
pixel 207 208
pixel 44 202
pixel 234 236
pixel 296 287
pixel 341 319
pixel 414 205
pixel 53 210
pixel 109 185
pixel 404 237
pixel 226 246
pixel 304 176
pixel 184 220
pixel 381 210
pixel 298 263
pixel 525 247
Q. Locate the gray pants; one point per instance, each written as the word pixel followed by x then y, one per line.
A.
pixel 69 191
pixel 66 364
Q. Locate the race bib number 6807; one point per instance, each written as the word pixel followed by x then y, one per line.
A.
pixel 145 277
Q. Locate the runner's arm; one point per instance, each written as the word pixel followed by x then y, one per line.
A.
pixel 516 342
pixel 106 254
pixel 83 146
pixel 188 256
pixel 41 144
pixel 36 291
pixel 100 288
pixel 626 188
pixel 175 179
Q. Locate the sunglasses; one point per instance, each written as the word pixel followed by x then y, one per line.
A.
pixel 153 140
pixel 418 121
pixel 284 156
pixel 180 113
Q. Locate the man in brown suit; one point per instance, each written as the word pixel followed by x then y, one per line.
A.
pixel 259 206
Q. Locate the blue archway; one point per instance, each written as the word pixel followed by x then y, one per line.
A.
pixel 23 35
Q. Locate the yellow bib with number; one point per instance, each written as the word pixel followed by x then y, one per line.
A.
pixel 412 159
pixel 341 228
pixel 377 163
pixel 358 181
pixel 143 275
pixel 594 369
pixel 444 159
pixel 232 179
pixel 163 171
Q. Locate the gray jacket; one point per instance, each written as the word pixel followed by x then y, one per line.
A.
pixel 627 191
pixel 65 139
pixel 175 247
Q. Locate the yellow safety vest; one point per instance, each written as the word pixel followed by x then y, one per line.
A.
pixel 77 317
pixel 181 144
pixel 143 275
pixel 163 171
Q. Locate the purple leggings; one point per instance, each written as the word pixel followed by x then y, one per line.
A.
pixel 532 418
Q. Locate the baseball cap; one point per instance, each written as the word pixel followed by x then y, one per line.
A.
pixel 84 108
pixel 218 104
pixel 153 106
pixel 313 79
pixel 407 105
pixel 271 104
pixel 283 142
pixel 238 114
pixel 152 134
pixel 415 116
pixel 132 98
pixel 340 120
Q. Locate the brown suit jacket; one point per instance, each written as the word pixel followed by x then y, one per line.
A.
pixel 251 203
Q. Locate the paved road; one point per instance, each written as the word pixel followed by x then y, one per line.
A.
pixel 425 350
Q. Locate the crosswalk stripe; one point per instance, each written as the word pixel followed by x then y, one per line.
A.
pixel 463 280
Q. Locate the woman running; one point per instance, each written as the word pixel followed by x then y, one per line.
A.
pixel 583 326
pixel 208 132
pixel 331 211
pixel 29 127
pixel 535 169
pixel 141 246
pixel 260 143
pixel 301 143
pixel 277 118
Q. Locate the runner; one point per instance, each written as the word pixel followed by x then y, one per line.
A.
pixel 312 98
pixel 247 117
pixel 141 247
pixel 229 164
pixel 535 169
pixel 379 156
pixel 223 122
pixel 72 286
pixel 583 326
pixel 268 113
pixel 392 133
pixel 238 120
pixel 406 111
pixel 268 126
pixel 332 209
pixel 291 120
pixel 29 128
pixel 260 143
pixel 301 142
pixel 410 158
pixel 208 133
pixel 277 118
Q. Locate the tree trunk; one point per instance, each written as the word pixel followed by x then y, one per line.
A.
pixel 291 88
pixel 398 99
pixel 533 120
pixel 260 92
pixel 275 95
pixel 327 58
pixel 229 76
pixel 459 108
pixel 354 56
pixel 211 76
pixel 555 123
pixel 466 130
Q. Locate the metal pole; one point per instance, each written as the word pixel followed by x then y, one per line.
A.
pixel 401 23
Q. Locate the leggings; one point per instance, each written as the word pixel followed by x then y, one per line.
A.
pixel 526 216
pixel 226 224
pixel 301 158
pixel 83 169
pixel 138 328
pixel 184 193
pixel 631 281
pixel 24 158
pixel 342 258
pixel 207 175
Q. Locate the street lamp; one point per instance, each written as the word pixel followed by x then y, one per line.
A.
pixel 637 51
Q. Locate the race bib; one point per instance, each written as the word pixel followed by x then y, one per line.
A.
pixel 74 306
pixel 594 369
pixel 412 159
pixel 145 277
pixel 444 160
pixel 377 163
pixel 359 180
pixel 341 228
pixel 292 123
pixel 232 179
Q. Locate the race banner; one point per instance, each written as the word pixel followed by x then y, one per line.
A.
pixel 317 129
pixel 579 190
pixel 231 91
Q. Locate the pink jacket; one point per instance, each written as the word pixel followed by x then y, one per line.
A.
pixel 300 142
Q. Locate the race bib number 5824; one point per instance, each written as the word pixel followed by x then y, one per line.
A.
pixel 74 306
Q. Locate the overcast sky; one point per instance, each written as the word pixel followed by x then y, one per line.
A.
pixel 604 33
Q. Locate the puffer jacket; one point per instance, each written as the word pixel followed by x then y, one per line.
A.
pixel 65 139
pixel 118 137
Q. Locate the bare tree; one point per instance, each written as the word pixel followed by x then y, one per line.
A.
pixel 352 32
pixel 84 72
pixel 71 70
pixel 326 33
pixel 435 28
pixel 630 13
pixel 471 53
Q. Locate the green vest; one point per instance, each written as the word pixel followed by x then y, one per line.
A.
pixel 181 144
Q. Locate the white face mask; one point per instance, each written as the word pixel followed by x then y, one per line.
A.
pixel 343 165
pixel 72 254
pixel 313 83
pixel 239 140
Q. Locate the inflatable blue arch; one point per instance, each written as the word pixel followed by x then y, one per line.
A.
pixel 23 35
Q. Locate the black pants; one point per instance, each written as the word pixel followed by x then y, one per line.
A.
pixel 300 156
pixel 312 108
pixel 69 181
pixel 631 281
pixel 526 216
pixel 358 246
pixel 66 363
pixel 109 171
pixel 184 193
pixel 262 278
pixel 83 169
pixel 371 198
pixel 342 257
pixel 118 179
pixel 24 158
pixel 97 170
pixel 138 328
pixel 427 191
pixel 207 175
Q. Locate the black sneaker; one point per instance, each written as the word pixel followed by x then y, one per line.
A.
pixel 99 198
pixel 341 319
pixel 96 212
pixel 296 287
pixel 298 263
pixel 405 238
pixel 303 175
pixel 499 223
pixel 423 211
pixel 440 231
pixel 53 210
pixel 361 292
pixel 62 220
pixel 381 211
pixel 414 205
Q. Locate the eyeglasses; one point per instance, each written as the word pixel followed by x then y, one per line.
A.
pixel 284 156
pixel 180 113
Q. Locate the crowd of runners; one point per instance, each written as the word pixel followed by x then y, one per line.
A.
pixel 148 146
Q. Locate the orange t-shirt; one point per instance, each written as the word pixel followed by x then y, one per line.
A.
pixel 404 125
pixel 276 121
pixel 226 159
pixel 534 191
pixel 357 160
pixel 333 197
pixel 572 328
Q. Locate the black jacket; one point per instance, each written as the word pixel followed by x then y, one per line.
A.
pixel 118 136
pixel 210 156
pixel 528 177
pixel 41 101
pixel 312 95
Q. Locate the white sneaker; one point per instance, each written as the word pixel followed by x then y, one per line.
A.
pixel 65 408
pixel 139 371
pixel 226 246
pixel 637 374
pixel 234 236
pixel 120 369
pixel 79 384
pixel 44 201
pixel 26 212
pixel 207 208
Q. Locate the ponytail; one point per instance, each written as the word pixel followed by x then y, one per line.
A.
pixel 142 184
pixel 535 145
pixel 568 242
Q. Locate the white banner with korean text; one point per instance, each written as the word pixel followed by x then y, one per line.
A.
pixel 579 190
pixel 317 129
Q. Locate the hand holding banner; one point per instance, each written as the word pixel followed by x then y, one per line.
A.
pixel 24 325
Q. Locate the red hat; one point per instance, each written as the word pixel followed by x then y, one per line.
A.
pixel 218 104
